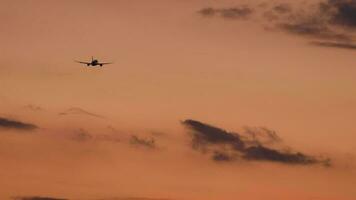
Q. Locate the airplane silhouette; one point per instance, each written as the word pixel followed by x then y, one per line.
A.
pixel 94 62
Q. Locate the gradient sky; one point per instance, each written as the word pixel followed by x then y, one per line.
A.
pixel 170 64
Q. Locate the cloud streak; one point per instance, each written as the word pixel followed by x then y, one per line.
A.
pixel 334 45
pixel 80 111
pixel 240 12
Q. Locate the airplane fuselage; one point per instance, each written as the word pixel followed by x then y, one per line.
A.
pixel 94 63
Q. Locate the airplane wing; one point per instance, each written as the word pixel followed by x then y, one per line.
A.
pixel 105 63
pixel 82 62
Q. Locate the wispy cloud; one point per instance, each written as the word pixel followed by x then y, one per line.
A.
pixel 80 111
pixel 143 142
pixel 240 12
pixel 82 135
pixel 334 45
pixel 261 135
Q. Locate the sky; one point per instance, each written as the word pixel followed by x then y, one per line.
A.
pixel 205 100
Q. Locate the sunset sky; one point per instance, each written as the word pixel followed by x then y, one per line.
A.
pixel 205 100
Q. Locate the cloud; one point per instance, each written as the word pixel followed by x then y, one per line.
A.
pixel 330 20
pixel 342 12
pixel 334 45
pixel 221 156
pixel 241 12
pixel 38 198
pixel 263 153
pixel 327 21
pixel 80 111
pixel 312 29
pixel 204 134
pixel 261 135
pixel 142 142
pixel 310 22
pixel 13 124
pixel 229 146
pixel 82 136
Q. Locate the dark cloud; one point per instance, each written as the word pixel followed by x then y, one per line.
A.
pixel 335 45
pixel 142 142
pixel 205 134
pixel 333 21
pixel 328 20
pixel 317 16
pixel 38 198
pixel 228 146
pixel 240 12
pixel 311 21
pixel 312 29
pixel 341 12
pixel 80 111
pixel 13 124
pixel 263 153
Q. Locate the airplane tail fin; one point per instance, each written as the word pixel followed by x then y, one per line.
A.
pixel 92 58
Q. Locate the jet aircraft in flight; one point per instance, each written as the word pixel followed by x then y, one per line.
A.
pixel 94 62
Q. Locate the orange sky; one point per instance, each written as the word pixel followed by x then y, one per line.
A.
pixel 170 64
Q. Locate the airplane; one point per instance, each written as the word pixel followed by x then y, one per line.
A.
pixel 93 62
